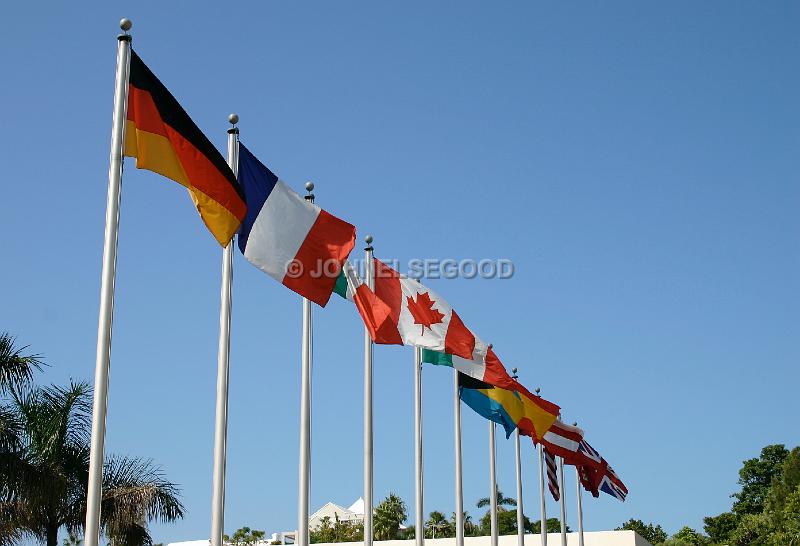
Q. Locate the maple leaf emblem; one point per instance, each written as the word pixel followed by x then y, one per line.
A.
pixel 423 312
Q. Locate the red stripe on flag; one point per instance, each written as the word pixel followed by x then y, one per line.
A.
pixel 458 340
pixel 324 250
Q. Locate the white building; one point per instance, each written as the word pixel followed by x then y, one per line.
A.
pixel 354 513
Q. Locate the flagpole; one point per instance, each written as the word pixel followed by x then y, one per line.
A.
pixel 419 526
pixel 543 528
pixel 305 416
pixel 368 468
pixel 223 363
pixel 520 513
pixel 578 496
pixel 562 501
pixel 94 493
pixel 458 476
pixel 493 486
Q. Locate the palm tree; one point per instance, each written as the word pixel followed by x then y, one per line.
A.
pixel 16 374
pixel 389 514
pixel 502 500
pixel 468 525
pixel 437 522
pixel 51 472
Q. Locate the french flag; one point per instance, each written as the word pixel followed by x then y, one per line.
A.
pixel 289 238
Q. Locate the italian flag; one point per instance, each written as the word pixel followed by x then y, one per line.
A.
pixel 401 311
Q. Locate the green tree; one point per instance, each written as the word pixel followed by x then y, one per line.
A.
pixel 52 469
pixel 553 525
pixel 438 526
pixel 72 540
pixel 244 536
pixel 507 523
pixel 470 529
pixel 389 515
pixel 756 477
pixel 719 528
pixel 502 500
pixel 689 536
pixel 655 534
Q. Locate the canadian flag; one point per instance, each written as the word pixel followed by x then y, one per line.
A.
pixel 401 311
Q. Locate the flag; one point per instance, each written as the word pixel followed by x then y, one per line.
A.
pixel 489 369
pixel 289 238
pixel 538 414
pixel 564 441
pixel 164 139
pixel 552 477
pixel 422 318
pixel 498 405
pixel 603 478
pixel 372 309
pixel 596 474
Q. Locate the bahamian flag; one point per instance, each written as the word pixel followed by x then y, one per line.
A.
pixel 502 406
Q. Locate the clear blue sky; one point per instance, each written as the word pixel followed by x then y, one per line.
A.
pixel 637 161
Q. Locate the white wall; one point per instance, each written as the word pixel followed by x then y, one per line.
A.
pixel 596 538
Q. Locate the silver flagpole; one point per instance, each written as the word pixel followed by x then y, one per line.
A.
pixel 305 417
pixel 419 525
pixel 541 495
pixel 578 496
pixel 223 362
pixel 368 471
pixel 562 501
pixel 520 513
pixel 457 445
pixel 493 486
pixel 94 491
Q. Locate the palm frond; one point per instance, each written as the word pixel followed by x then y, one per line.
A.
pixel 135 490
pixel 16 369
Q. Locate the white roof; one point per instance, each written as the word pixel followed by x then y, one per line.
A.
pixel 357 507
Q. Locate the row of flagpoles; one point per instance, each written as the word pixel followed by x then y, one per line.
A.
pixel 160 133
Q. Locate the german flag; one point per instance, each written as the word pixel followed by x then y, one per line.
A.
pixel 164 139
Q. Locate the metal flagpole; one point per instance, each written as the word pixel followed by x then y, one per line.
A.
pixel 419 525
pixel 493 486
pixel 520 513
pixel 562 501
pixel 578 496
pixel 94 492
pixel 368 472
pixel 543 530
pixel 457 445
pixel 223 362
pixel 305 416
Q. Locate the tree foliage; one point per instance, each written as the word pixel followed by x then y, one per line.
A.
pixel 337 530
pixel 756 477
pixel 389 515
pixel 244 536
pixel 502 500
pixel 655 534
pixel 46 469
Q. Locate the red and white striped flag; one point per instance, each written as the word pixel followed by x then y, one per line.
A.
pixel 552 477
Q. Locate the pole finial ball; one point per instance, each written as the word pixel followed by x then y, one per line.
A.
pixel 125 24
pixel 309 186
pixel 233 119
pixel 537 390
pixel 368 239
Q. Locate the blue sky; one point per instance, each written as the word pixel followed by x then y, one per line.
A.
pixel 637 161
